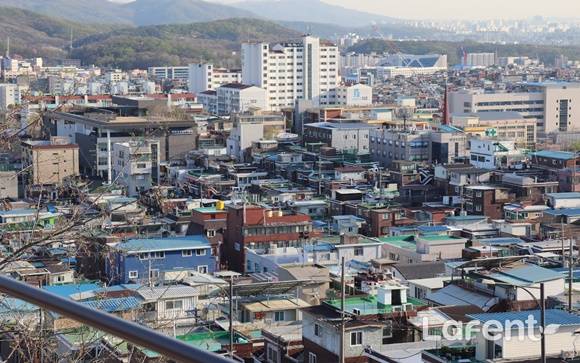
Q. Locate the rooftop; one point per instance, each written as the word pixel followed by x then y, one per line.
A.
pixel 164 244
pixel 568 212
pixel 560 155
pixel 525 275
pixel 369 305
pixel 569 195
pixel 553 316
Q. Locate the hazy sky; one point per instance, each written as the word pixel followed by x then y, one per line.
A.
pixel 457 9
pixel 472 9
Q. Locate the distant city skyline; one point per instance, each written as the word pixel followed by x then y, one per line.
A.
pixel 458 9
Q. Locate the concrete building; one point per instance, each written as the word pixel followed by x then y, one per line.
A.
pixel 554 106
pixel 508 124
pixel 9 95
pixel 239 98
pixel 249 128
pixel 96 130
pixel 174 73
pixel 354 95
pixel 136 165
pixel 50 162
pixel 387 146
pixel 479 60
pixel 204 77
pixel 8 184
pixel 302 70
pixel 494 154
pixel 347 136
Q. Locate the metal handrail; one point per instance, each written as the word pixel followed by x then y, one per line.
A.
pixel 137 334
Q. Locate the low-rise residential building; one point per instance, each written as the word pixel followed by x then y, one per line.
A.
pixel 50 162
pixel 148 260
pixel 136 165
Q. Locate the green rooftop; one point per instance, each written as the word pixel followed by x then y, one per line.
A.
pixel 403 241
pixel 439 237
pixel 369 305
pixel 207 210
pixel 211 341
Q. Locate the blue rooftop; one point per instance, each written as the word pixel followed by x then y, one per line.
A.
pixel 164 244
pixel 501 241
pixel 568 195
pixel 526 275
pixel 560 155
pixel 553 317
pixel 568 212
pixel 432 229
pixel 70 289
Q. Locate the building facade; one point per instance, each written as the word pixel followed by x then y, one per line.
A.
pixel 136 165
pixel 303 70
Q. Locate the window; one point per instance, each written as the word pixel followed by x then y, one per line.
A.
pixel 200 252
pixel 279 316
pixel 210 233
pixel 133 274
pixel 159 255
pixel 387 333
pixel 317 330
pixel 186 253
pixel 173 304
pixel 312 358
pixel 355 338
pixel 358 251
pixel 154 274
pixel 202 269
pixel 143 256
pixel 141 165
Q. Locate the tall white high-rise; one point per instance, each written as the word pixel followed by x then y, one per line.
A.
pixel 306 69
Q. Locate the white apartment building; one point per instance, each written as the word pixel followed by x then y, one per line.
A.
pixel 493 154
pixel 176 73
pixel 136 165
pixel 354 95
pixel 237 97
pixel 9 95
pixel 304 70
pixel 204 77
pixel 479 60
pixel 554 106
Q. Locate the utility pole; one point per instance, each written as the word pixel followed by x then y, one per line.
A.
pixel 342 313
pixel 562 239
pixel 232 316
pixel 319 176
pixel 570 274
pixel 543 321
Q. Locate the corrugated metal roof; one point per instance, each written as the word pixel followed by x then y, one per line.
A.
pixel 561 155
pixel 164 244
pixel 455 296
pixel 553 316
pixel 525 275
pixel 568 195
pixel 114 305
pixel 167 292
pixel 568 212
pixel 71 289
